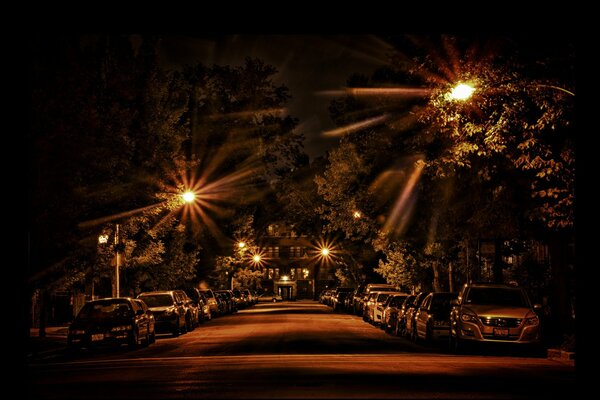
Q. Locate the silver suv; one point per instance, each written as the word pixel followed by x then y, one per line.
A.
pixel 486 312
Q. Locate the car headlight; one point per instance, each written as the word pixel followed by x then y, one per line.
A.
pixel 169 311
pixel 77 332
pixel 466 317
pixel 121 328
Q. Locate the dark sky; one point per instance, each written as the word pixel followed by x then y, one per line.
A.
pixel 306 65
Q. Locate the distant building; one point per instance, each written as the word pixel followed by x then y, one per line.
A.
pixel 290 264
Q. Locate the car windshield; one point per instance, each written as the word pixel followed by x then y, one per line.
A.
pixel 382 297
pixel 396 301
pixel 496 296
pixel 105 310
pixel 441 302
pixel 158 300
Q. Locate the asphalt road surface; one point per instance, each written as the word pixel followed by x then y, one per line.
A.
pixel 295 350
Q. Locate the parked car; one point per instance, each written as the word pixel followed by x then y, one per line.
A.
pixel 168 309
pixel 212 302
pixel 115 321
pixel 338 297
pixel 151 319
pixel 269 297
pixel 202 303
pixel 432 320
pixel 501 313
pixel 191 310
pixel 409 316
pixel 377 308
pixel 400 327
pixel 390 311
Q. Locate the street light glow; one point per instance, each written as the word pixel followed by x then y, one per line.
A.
pixel 462 91
pixel 188 196
pixel 256 258
pixel 102 239
pixel 241 245
pixel 325 251
pixel 356 214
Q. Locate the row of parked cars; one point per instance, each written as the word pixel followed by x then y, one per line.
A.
pixel 124 320
pixel 481 312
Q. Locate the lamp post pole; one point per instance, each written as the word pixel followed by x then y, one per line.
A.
pixel 117 262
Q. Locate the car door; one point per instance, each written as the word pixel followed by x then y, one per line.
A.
pixel 422 316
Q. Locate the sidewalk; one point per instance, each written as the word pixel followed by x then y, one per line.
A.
pixel 54 342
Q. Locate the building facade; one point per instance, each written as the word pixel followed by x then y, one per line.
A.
pixel 291 267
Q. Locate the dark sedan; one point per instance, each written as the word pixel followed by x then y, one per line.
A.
pixel 110 321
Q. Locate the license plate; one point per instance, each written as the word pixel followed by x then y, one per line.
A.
pixel 501 332
pixel 98 337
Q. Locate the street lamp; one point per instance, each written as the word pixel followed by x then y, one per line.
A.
pixel 103 239
pixel 324 251
pixel 188 196
pixel 461 91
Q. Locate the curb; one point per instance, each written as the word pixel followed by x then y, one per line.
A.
pixel 561 355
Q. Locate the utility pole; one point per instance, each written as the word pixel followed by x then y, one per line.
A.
pixel 117 262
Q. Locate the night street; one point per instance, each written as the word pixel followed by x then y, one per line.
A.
pixel 294 350
pixel 384 215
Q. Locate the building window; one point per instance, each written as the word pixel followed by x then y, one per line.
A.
pixel 293 274
pixel 276 273
pixel 305 273
pixel 270 273
pixel 296 252
pixel 273 251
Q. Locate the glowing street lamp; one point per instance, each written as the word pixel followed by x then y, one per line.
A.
pixel 241 245
pixel 356 214
pixel 462 91
pixel 324 251
pixel 188 196
pixel 256 258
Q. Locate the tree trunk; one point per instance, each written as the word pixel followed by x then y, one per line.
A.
pixel 436 276
pixel 450 278
pixel 498 276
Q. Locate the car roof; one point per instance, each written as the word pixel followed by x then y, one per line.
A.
pixel 492 285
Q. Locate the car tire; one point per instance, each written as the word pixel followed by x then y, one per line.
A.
pixel 134 339
pixel 189 324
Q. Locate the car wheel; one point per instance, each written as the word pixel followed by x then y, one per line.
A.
pixel 134 339
pixel 456 344
pixel 428 334
pixel 189 325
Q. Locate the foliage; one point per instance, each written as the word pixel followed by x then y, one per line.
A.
pixel 525 120
pixel 247 278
